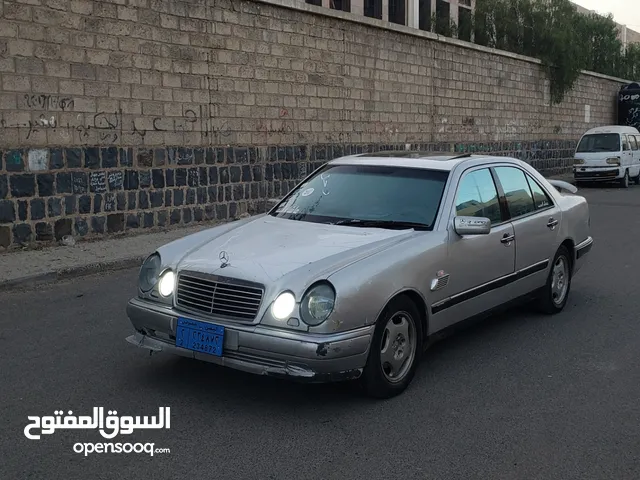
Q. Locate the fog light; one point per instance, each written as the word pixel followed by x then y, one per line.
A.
pixel 167 283
pixel 283 305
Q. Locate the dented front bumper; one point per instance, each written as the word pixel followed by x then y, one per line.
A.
pixel 258 349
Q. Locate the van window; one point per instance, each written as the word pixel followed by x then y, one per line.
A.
pixel 600 142
pixel 625 144
pixel 632 141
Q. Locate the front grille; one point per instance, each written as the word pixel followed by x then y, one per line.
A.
pixel 592 174
pixel 220 296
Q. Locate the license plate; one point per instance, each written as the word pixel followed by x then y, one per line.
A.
pixel 200 336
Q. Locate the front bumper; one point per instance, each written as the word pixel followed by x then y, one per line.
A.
pixel 603 174
pixel 258 349
pixel 581 250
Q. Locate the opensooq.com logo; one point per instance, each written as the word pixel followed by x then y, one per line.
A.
pixel 109 427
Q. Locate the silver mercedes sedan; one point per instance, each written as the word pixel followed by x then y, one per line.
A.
pixel 351 274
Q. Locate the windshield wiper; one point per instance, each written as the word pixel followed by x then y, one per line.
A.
pixel 394 224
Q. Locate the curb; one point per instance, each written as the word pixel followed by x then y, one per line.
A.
pixel 72 272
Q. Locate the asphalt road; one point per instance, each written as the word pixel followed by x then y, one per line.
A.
pixel 519 396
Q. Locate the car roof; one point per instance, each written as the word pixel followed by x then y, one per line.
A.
pixel 612 129
pixel 412 159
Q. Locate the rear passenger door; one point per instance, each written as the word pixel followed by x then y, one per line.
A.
pixel 535 219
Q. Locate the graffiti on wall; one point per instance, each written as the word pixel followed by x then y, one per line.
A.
pixel 48 102
pixel 110 126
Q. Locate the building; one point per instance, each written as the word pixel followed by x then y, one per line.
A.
pixel 625 34
pixel 413 13
pixel 421 13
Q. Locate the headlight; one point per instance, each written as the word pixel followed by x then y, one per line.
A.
pixel 578 161
pixel 283 305
pixel 317 304
pixel 167 283
pixel 613 161
pixel 149 272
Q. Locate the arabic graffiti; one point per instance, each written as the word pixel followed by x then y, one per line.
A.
pixel 110 126
pixel 49 102
pixel 118 425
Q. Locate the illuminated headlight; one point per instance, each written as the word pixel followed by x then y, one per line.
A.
pixel 317 304
pixel 578 161
pixel 283 306
pixel 149 272
pixel 167 283
pixel 613 161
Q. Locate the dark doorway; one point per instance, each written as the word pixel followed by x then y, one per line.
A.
pixel 464 24
pixel 397 12
pixel 373 9
pixel 443 18
pixel 344 5
pixel 424 15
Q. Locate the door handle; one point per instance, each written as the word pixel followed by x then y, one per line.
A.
pixel 552 223
pixel 507 238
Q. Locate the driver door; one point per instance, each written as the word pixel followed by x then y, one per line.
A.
pixel 477 264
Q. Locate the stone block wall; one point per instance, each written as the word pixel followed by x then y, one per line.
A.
pixel 127 114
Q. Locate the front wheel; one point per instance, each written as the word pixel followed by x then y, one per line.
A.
pixel 636 179
pixel 624 181
pixel 395 350
pixel 556 291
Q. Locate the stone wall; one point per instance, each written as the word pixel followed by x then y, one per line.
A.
pixel 131 114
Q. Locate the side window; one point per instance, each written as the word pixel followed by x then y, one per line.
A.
pixel 516 190
pixel 632 140
pixel 625 143
pixel 540 197
pixel 478 197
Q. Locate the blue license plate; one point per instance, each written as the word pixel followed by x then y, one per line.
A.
pixel 200 336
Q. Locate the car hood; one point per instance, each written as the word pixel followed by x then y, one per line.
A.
pixel 268 248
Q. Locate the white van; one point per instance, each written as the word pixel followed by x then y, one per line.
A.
pixel 608 154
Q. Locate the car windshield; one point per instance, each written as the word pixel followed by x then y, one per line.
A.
pixel 376 196
pixel 600 142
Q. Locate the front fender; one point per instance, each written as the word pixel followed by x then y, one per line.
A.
pixel 363 289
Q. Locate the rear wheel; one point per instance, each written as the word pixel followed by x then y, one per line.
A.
pixel 395 350
pixel 556 291
pixel 636 179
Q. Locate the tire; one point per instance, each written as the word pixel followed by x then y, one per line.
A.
pixel 624 181
pixel 636 179
pixel 377 377
pixel 548 302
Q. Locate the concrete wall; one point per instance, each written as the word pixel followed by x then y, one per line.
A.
pixel 131 114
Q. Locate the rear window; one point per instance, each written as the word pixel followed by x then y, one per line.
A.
pixel 600 142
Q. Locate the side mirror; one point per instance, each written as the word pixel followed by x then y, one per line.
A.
pixel 472 225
